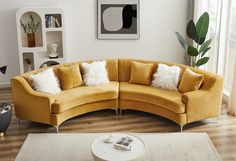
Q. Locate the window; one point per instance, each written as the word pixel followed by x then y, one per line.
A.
pixel 223 28
pixel 213 7
pixel 214 10
pixel 230 47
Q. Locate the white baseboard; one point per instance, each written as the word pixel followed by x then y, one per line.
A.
pixel 226 96
pixel 5 85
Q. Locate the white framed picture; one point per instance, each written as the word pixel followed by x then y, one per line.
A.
pixel 118 19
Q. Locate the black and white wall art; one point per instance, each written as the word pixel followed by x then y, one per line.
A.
pixel 118 19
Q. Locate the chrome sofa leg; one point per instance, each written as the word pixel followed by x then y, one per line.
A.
pixel 181 128
pixel 217 120
pixel 117 111
pixel 19 122
pixel 57 128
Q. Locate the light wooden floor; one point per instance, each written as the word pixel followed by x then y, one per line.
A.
pixel 222 133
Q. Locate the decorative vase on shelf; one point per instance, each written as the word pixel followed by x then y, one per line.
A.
pixel 29 67
pixel 31 39
pixel 30 29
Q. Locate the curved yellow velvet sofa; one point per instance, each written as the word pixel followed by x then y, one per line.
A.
pixel 181 108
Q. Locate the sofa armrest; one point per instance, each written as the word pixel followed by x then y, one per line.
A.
pixel 206 102
pixel 30 104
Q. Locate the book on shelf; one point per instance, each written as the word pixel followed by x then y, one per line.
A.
pixel 57 22
pixel 52 22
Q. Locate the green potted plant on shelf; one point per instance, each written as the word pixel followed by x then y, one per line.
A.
pixel 30 29
pixel 199 45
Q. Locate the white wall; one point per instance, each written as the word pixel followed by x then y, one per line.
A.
pixel 158 21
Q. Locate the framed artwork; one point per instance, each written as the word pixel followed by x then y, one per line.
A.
pixel 118 19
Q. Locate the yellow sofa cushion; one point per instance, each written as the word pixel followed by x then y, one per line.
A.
pixel 190 81
pixel 170 100
pixel 70 77
pixel 141 73
pixel 83 95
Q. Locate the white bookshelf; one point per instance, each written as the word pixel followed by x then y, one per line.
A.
pixel 44 37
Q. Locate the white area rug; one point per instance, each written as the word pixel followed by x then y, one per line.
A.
pixel 159 147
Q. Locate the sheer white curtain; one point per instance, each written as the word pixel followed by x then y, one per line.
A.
pixel 232 99
pixel 223 48
pixel 213 7
pixel 231 58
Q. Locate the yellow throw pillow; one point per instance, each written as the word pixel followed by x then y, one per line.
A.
pixel 190 81
pixel 70 77
pixel 141 73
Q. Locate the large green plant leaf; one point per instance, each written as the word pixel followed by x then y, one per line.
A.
pixel 205 45
pixel 191 30
pixel 181 41
pixel 202 25
pixel 192 51
pixel 205 51
pixel 200 41
pixel 202 61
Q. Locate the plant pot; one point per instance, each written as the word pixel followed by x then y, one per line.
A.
pixel 5 117
pixel 31 39
pixel 193 61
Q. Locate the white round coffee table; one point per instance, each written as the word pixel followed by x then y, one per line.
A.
pixel 102 151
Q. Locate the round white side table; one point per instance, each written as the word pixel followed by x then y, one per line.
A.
pixel 102 151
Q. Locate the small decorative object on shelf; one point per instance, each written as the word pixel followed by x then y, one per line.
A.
pixel 5 117
pixel 48 64
pixel 53 51
pixel 30 29
pixel 3 69
pixel 31 39
pixel 44 65
pixel 29 64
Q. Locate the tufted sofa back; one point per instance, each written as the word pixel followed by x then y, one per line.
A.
pixel 125 67
pixel 120 69
pixel 112 69
pixel 125 71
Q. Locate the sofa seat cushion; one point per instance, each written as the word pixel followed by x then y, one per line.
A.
pixel 170 100
pixel 83 95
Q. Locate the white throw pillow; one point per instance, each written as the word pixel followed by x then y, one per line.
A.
pixel 166 77
pixel 46 81
pixel 95 73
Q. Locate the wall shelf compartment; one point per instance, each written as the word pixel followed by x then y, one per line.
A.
pixel 53 21
pixel 25 19
pixel 28 61
pixel 55 37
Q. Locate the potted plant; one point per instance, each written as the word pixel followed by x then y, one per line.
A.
pixel 30 29
pixel 199 47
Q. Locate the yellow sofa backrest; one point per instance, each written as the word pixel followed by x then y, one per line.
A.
pixel 112 69
pixel 125 70
pixel 120 69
